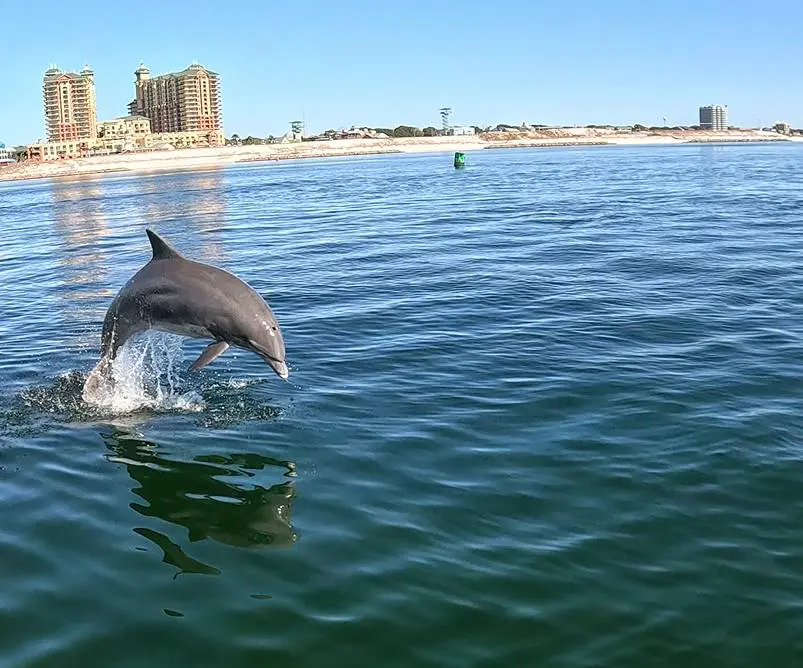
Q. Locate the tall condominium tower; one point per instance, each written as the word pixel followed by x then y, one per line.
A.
pixel 70 109
pixel 714 117
pixel 180 101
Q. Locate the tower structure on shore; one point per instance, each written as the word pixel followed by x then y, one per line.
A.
pixel 446 115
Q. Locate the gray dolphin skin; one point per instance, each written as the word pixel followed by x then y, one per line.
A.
pixel 174 294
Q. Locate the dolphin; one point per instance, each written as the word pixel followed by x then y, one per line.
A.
pixel 174 294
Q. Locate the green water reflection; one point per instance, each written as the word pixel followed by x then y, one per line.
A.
pixel 212 496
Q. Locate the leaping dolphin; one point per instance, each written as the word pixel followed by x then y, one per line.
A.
pixel 174 294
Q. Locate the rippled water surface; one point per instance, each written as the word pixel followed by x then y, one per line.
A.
pixel 542 411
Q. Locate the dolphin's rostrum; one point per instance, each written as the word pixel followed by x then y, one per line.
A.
pixel 174 294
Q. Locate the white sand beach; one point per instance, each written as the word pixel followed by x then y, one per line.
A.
pixel 205 158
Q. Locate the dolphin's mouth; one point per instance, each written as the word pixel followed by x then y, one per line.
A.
pixel 279 366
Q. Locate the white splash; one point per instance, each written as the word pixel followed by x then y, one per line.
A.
pixel 144 375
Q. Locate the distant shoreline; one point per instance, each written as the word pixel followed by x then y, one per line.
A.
pixel 209 158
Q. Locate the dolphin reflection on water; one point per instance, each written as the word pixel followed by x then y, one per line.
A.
pixel 207 496
pixel 174 294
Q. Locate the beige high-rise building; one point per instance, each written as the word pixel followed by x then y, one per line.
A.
pixel 70 107
pixel 180 101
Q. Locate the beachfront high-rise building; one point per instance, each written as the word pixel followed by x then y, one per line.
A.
pixel 714 117
pixel 186 101
pixel 70 108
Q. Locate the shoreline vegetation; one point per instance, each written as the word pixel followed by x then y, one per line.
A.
pixel 210 158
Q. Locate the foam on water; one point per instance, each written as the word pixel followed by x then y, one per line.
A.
pixel 147 378
pixel 144 375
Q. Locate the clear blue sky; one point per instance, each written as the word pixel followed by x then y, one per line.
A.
pixel 383 64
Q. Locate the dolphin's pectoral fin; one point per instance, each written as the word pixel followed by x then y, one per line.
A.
pixel 210 353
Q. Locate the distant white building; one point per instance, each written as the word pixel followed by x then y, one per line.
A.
pixel 462 131
pixel 714 117
pixel 5 155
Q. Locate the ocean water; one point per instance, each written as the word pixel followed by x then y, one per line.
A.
pixel 542 411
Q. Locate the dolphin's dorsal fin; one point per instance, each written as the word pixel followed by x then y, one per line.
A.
pixel 161 249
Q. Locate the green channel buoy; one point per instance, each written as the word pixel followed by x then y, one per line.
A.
pixel 459 160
